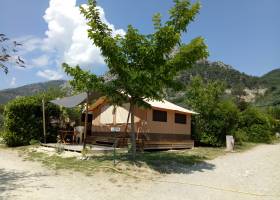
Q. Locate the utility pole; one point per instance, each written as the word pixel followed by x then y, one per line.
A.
pixel 44 121
pixel 86 122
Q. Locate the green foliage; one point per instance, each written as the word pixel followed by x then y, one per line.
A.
pixel 258 125
pixel 29 90
pixel 274 112
pixel 217 117
pixel 83 81
pixel 11 139
pixel 143 66
pixel 1 117
pixel 240 136
pixel 23 120
pixel 33 142
pixel 213 71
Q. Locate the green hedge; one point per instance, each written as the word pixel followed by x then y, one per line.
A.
pixel 23 120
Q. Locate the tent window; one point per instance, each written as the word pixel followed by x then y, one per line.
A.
pixel 159 116
pixel 180 118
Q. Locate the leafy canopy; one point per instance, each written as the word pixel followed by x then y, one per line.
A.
pixel 144 65
pixel 217 117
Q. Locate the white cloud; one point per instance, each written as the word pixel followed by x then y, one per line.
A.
pixel 50 74
pixel 67 34
pixel 13 81
pixel 40 61
pixel 66 38
pixel 30 43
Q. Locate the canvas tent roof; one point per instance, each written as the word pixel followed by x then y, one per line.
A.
pixel 72 101
pixel 166 105
pixel 169 106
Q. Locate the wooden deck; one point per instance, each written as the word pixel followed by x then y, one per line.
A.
pixel 144 141
pixel 79 148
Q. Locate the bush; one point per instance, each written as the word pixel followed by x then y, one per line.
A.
pixel 33 142
pixel 257 125
pixel 217 117
pixel 23 120
pixel 11 139
pixel 1 117
pixel 240 136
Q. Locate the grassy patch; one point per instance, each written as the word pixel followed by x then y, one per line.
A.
pixel 164 162
pixel 245 146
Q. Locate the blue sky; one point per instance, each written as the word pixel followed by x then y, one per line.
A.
pixel 242 33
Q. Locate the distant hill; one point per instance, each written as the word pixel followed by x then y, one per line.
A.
pixel 28 90
pixel 264 90
pixel 272 78
pixel 222 72
pixel 271 81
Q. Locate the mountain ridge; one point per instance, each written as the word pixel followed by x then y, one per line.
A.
pixel 209 71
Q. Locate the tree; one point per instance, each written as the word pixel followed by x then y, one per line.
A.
pixel 257 125
pixel 8 50
pixel 217 117
pixel 145 65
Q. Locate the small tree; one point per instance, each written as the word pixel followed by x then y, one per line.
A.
pixel 217 117
pixel 257 125
pixel 8 50
pixel 145 65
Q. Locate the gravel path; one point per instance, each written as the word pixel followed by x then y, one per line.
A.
pixel 256 172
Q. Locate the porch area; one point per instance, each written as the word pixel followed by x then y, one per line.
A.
pixel 79 147
pixel 144 141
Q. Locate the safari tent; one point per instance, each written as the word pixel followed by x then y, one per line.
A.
pixel 163 126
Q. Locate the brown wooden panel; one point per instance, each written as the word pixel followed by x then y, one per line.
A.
pixel 144 140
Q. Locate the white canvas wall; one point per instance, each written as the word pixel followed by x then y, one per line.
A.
pixel 106 116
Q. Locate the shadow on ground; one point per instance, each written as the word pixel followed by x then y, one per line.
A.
pixel 166 162
pixel 11 180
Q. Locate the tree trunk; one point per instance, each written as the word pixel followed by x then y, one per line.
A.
pixel 132 133
pixel 86 123
pixel 44 121
pixel 128 117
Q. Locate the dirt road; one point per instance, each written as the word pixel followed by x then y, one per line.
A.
pixel 234 176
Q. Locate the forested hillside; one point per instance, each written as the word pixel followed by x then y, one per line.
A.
pixel 263 91
pixel 237 82
pixel 220 71
pixel 28 90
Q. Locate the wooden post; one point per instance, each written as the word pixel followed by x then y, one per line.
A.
pixel 86 122
pixel 44 121
pixel 115 138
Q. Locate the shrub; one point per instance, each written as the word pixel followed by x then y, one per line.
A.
pixel 23 120
pixel 11 139
pixel 33 142
pixel 257 125
pixel 217 117
pixel 240 136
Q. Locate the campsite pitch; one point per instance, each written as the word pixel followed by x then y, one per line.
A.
pixel 253 174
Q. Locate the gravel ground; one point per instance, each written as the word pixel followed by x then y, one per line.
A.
pixel 255 172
